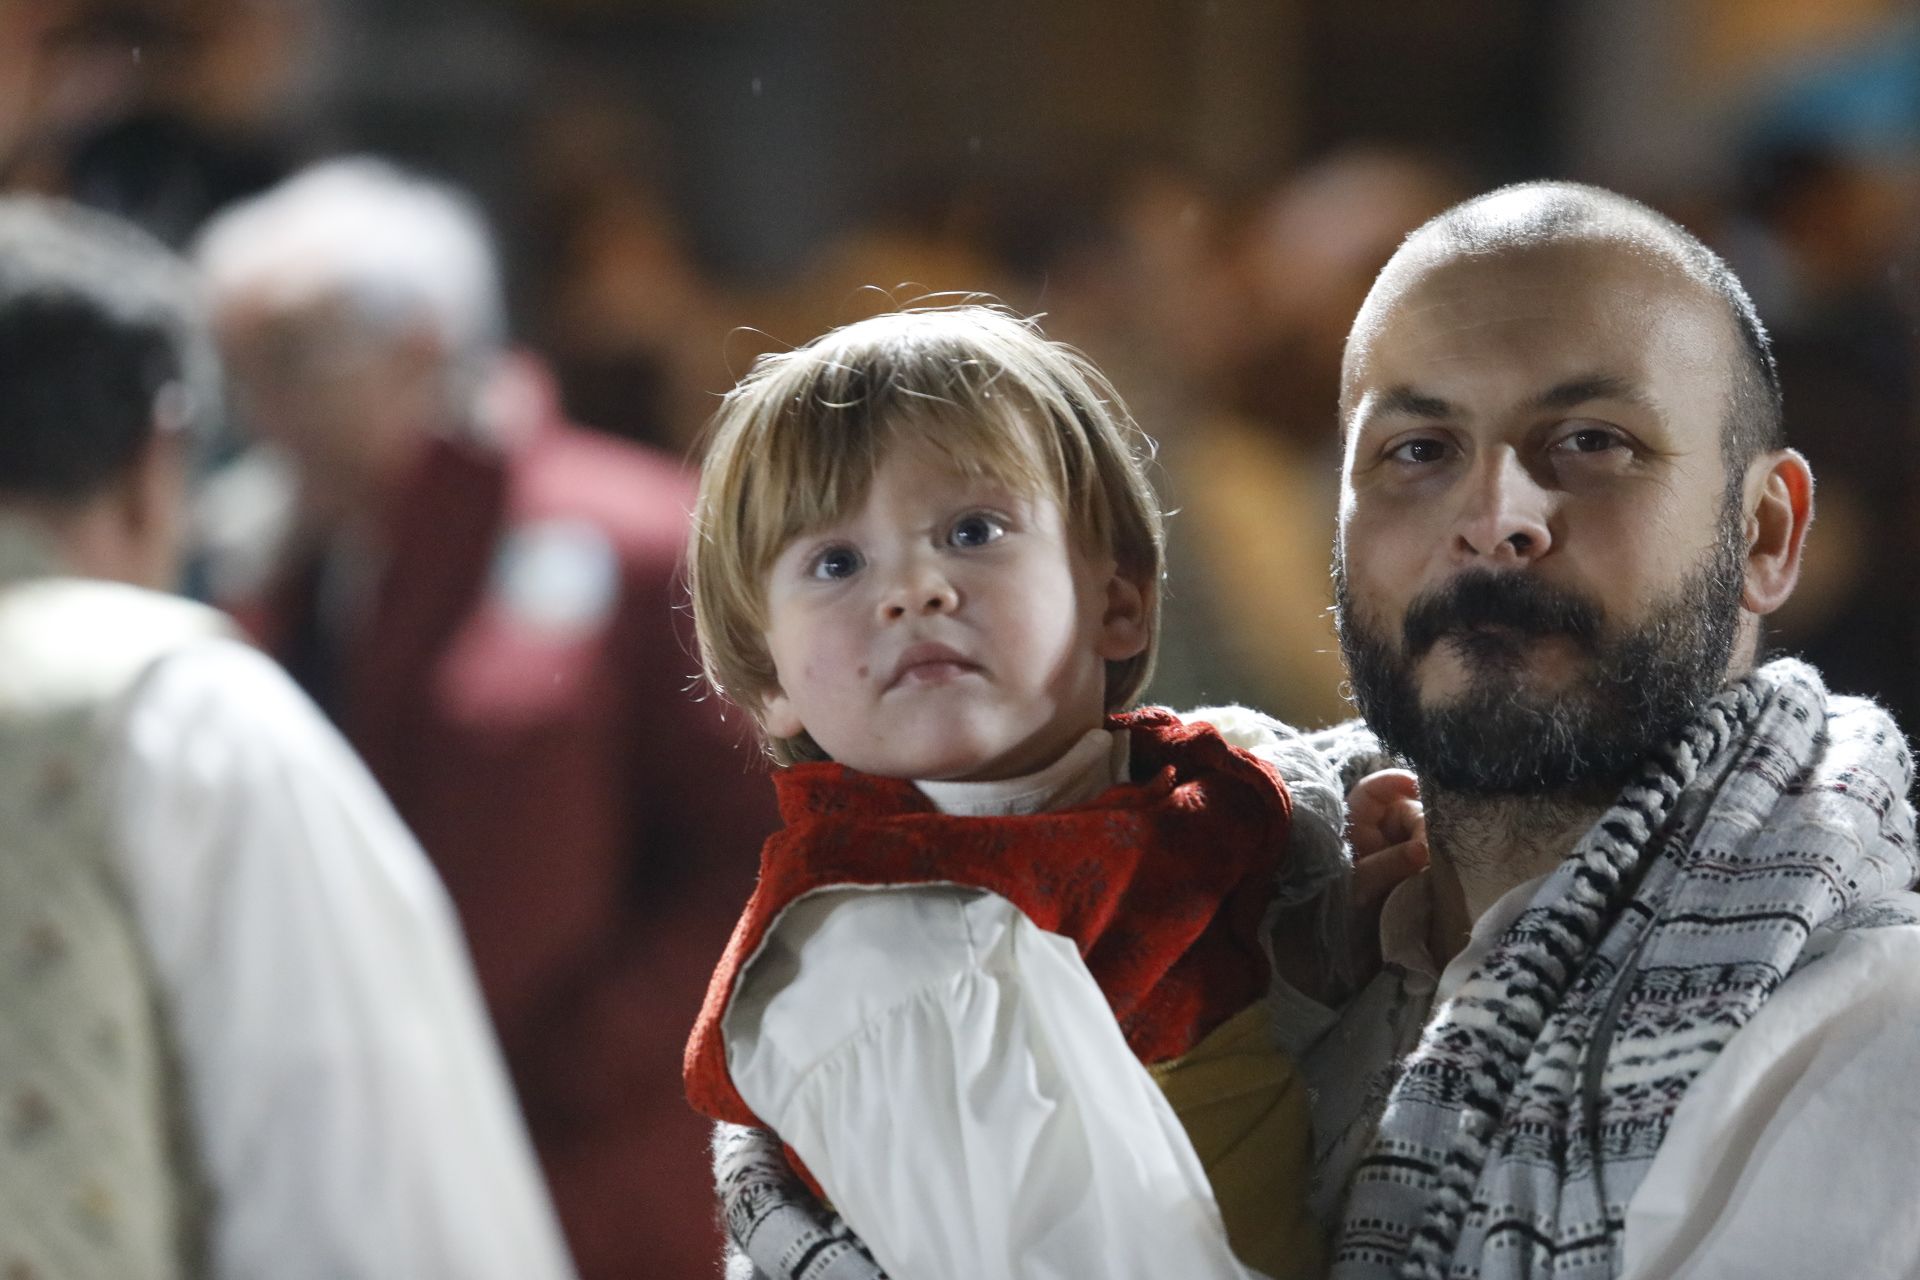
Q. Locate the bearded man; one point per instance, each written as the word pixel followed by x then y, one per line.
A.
pixel 1666 943
pixel 1653 1010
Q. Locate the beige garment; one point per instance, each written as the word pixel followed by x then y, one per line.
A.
pixel 1244 1107
pixel 95 1179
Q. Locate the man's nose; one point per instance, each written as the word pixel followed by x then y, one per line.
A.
pixel 918 589
pixel 1504 513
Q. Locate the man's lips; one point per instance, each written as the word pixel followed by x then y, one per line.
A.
pixel 1474 634
pixel 930 663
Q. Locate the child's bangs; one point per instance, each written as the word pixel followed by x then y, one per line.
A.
pixel 816 468
pixel 997 438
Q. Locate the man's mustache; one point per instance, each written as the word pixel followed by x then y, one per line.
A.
pixel 1517 602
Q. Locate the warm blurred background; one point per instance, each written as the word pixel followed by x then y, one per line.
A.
pixel 1197 192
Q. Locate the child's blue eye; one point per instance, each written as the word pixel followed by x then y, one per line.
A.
pixel 975 529
pixel 835 562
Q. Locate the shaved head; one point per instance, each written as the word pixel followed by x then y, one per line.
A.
pixel 1538 215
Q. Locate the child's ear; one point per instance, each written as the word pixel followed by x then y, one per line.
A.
pixel 1125 626
pixel 777 716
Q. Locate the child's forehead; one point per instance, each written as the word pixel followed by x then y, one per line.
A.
pixel 936 466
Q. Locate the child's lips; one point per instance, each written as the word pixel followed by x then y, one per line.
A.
pixel 930 664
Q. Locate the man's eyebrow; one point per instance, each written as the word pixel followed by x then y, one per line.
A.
pixel 1597 386
pixel 1405 402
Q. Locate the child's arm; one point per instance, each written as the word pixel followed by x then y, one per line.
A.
pixel 954 1079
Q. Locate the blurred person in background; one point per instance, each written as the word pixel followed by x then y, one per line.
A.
pixel 635 329
pixel 1828 233
pixel 484 598
pixel 157 110
pixel 239 1036
pixel 1251 475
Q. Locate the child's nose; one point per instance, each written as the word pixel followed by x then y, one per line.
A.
pixel 920 592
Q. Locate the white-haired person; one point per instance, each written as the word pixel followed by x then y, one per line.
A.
pixel 482 595
pixel 239 1036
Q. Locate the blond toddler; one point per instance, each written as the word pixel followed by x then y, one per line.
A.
pixel 1001 989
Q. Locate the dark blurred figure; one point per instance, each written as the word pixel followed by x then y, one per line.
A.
pixel 238 1033
pixel 635 329
pixel 160 111
pixel 1828 235
pixel 1252 477
pixel 485 598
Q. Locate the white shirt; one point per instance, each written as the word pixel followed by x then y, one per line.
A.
pixel 955 1080
pixel 351 1111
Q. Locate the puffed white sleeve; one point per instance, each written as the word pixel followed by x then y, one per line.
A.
pixel 953 1078
pixel 1793 1154
pixel 351 1109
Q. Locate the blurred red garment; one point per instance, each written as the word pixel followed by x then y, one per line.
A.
pixel 518 673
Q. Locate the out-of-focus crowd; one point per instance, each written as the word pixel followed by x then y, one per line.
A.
pixel 483 594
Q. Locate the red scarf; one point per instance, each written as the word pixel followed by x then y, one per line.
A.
pixel 1163 883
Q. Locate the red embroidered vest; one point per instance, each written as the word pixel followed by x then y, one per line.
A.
pixel 1163 883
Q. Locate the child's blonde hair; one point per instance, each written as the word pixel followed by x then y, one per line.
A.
pixel 796 444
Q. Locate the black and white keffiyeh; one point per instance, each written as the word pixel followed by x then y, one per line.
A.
pixel 1521 1126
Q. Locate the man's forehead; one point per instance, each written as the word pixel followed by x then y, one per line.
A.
pixel 1442 305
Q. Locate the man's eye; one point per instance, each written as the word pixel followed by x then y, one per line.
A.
pixel 1591 440
pixel 1424 449
pixel 835 562
pixel 976 529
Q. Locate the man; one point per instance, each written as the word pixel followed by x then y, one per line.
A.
pixel 485 599
pixel 1653 1010
pixel 1666 937
pixel 238 1033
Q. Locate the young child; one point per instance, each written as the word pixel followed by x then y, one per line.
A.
pixel 927 561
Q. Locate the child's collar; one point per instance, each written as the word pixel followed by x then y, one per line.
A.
pixel 1091 765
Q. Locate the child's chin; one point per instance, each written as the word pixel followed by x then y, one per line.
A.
pixel 960 745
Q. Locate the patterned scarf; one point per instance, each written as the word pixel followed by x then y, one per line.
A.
pixel 1521 1126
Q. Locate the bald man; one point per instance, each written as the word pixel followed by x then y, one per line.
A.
pixel 1653 1010
pixel 1657 990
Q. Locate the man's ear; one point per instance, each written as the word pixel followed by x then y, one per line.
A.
pixel 1779 509
pixel 149 504
pixel 1126 623
pixel 778 717
pixel 155 490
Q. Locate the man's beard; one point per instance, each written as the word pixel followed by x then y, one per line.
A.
pixel 1498 737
